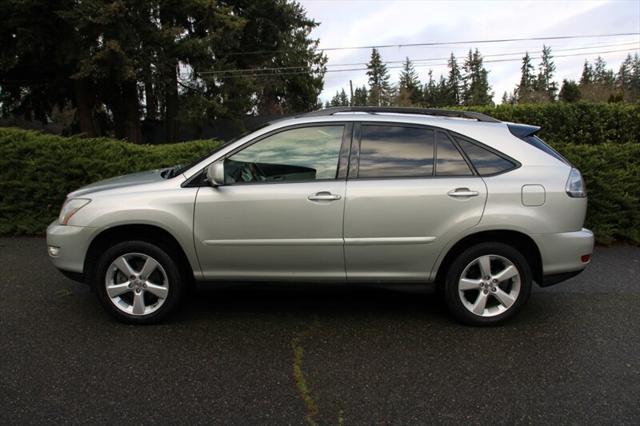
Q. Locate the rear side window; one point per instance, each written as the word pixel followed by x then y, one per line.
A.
pixel 395 151
pixel 449 161
pixel 485 161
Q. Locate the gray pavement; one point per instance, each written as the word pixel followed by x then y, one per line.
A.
pixel 273 354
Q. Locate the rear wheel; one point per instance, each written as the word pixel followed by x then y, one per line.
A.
pixel 138 282
pixel 487 283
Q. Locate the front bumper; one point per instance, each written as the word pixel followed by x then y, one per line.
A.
pixel 72 243
pixel 562 253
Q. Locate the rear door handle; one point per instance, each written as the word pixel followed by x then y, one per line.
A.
pixel 462 193
pixel 323 196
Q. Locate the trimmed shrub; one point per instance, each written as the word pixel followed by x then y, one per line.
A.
pixel 38 170
pixel 612 175
pixel 578 123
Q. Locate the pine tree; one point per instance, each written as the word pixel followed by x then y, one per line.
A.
pixel 623 79
pixel 634 80
pixel 477 89
pixel 344 99
pixel 360 96
pixel 587 74
pixel 429 94
pixel 454 91
pixel 442 93
pixel 597 83
pixel 379 87
pixel 408 86
pixel 545 83
pixel 569 92
pixel 527 80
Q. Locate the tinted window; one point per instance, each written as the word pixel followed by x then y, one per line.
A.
pixel 394 151
pixel 303 154
pixel 449 160
pixel 485 161
pixel 540 144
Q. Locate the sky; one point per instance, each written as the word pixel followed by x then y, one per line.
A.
pixel 346 23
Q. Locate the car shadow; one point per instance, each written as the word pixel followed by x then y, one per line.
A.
pixel 313 299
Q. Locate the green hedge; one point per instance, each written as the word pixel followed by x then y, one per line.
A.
pixel 612 174
pixel 38 170
pixel 577 123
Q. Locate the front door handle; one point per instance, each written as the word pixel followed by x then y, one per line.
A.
pixel 462 193
pixel 323 196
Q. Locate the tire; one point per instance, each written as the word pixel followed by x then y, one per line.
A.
pixel 479 301
pixel 149 291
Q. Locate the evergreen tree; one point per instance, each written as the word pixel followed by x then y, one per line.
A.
pixel 344 99
pixel 477 89
pixel 454 91
pixel 597 83
pixel 525 89
pixel 442 93
pixel 409 92
pixel 623 79
pixel 379 87
pixel 633 93
pixel 430 95
pixel 360 96
pixel 587 74
pixel 116 63
pixel 545 83
pixel 569 92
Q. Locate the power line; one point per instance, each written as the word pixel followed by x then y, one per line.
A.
pixel 500 54
pixel 444 43
pixel 252 71
pixel 277 74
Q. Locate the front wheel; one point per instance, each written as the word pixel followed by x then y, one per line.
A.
pixel 487 284
pixel 138 282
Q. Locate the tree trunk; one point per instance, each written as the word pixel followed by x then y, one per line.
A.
pixel 84 108
pixel 131 111
pixel 150 96
pixel 171 104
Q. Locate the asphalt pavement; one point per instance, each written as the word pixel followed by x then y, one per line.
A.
pixel 274 354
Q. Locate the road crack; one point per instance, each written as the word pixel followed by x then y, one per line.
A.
pixel 301 382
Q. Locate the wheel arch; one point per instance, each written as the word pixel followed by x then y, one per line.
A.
pixel 145 232
pixel 518 240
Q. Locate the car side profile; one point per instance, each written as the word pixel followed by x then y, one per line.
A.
pixel 479 207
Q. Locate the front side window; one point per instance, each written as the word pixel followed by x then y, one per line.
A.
pixel 302 154
pixel 395 151
pixel 449 160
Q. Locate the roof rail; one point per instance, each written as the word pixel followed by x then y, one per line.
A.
pixel 402 110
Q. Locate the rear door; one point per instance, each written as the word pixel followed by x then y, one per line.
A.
pixel 409 191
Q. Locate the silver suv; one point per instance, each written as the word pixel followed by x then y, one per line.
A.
pixel 351 194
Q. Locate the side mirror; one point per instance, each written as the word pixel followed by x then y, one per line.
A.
pixel 215 173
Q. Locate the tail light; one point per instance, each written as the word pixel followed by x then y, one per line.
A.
pixel 575 185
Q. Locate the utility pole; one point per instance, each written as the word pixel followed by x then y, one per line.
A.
pixel 351 91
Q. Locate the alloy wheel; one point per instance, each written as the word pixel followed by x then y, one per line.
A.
pixel 136 284
pixel 489 285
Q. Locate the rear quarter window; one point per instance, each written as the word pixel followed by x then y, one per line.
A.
pixel 484 161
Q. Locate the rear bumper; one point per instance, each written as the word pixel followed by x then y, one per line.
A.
pixel 562 254
pixel 71 243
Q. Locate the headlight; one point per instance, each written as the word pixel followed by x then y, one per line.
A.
pixel 70 207
pixel 575 185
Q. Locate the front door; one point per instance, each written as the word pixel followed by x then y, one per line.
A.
pixel 279 214
pixel 410 192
